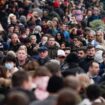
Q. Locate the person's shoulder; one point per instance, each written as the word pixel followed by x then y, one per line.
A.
pixel 30 94
pixel 81 70
pixel 64 67
pixel 83 60
pixel 35 103
pixel 48 58
pixel 38 102
pixel 85 102
pixel 102 64
pixel 48 101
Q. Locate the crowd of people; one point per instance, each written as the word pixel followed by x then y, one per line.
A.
pixel 52 52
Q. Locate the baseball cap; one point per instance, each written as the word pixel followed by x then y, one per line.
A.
pixel 61 53
pixel 43 48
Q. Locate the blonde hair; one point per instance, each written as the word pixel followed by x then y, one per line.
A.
pixel 84 80
pixel 11 53
pixel 23 47
pixel 72 82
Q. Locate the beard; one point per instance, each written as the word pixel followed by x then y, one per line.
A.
pixel 100 40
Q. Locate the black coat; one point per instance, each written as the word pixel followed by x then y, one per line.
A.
pixel 28 93
pixel 72 69
pixel 85 63
pixel 52 51
pixel 43 61
pixel 14 47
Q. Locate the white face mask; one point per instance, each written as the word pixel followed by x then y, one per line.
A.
pixel 25 36
pixel 9 65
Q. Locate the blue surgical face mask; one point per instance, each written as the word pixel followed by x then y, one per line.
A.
pixel 9 65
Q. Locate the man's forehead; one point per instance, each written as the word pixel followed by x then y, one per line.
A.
pixel 95 64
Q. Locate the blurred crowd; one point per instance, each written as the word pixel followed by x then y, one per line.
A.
pixel 52 52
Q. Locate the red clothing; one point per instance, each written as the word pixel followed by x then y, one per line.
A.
pixel 56 4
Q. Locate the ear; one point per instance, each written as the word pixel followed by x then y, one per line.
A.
pixel 24 85
pixel 90 68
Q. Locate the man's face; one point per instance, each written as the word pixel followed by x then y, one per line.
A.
pixel 14 38
pixel 94 69
pixel 43 54
pixel 61 58
pixel 21 55
pixel 81 54
pixel 33 40
pixel 90 37
pixel 51 42
pixel 44 39
pixel 99 37
pixel 91 52
pixel 11 29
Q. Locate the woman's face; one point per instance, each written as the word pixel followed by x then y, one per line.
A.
pixel 16 30
pixel 9 65
pixel 63 46
pixel 11 29
pixel 77 42
pixel 27 31
pixel 58 36
pixel 89 13
pixel 10 68
pixel 54 23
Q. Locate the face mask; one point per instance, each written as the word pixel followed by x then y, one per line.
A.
pixel 25 36
pixel 9 65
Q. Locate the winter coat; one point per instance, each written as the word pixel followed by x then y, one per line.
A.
pixel 72 69
pixel 52 51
